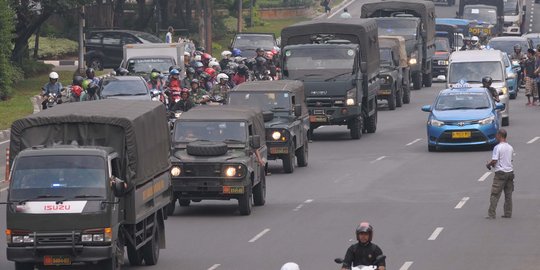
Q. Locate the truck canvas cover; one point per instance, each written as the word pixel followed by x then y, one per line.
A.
pixel 499 4
pixel 358 31
pixel 395 42
pixel 425 10
pixel 136 130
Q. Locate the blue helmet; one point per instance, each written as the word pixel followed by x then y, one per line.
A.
pixel 236 52
pixel 175 72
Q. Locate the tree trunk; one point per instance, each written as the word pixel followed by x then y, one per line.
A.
pixel 24 34
pixel 164 5
pixel 141 10
pixel 200 20
pixel 36 43
pixel 118 13
pixel 189 10
pixel 208 16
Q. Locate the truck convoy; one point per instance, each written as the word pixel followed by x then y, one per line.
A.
pixel 486 16
pixel 415 21
pixel 338 61
pixel 84 186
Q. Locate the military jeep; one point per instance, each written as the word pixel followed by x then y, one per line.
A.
pixel 394 72
pixel 288 125
pixel 219 153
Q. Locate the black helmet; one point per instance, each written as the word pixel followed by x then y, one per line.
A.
pixel 260 60
pixel 260 50
pixel 77 80
pixel 487 80
pixel 90 71
pixel 190 70
pixel 242 69
pixel 364 227
pixel 155 70
pixel 194 81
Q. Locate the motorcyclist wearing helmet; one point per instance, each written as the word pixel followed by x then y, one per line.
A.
pixel 155 81
pixel 185 103
pixel 198 95
pixel 190 75
pixel 261 69
pixel 270 63
pixel 260 52
pixel 91 75
pixel 215 65
pixel 222 88
pixel 225 59
pixel 486 83
pixel 76 89
pixel 91 91
pixel 52 87
pixel 242 74
pixel 475 44
pixel 517 54
pixel 205 59
pixel 187 59
pixel 174 82
pixel 364 252
pixel 290 266
pixel 236 53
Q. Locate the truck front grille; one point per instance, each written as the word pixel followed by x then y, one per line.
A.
pixel 202 170
pixel 57 239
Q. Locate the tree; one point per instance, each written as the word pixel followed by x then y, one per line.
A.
pixel 6 34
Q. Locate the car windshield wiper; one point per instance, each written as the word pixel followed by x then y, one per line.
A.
pixel 233 141
pixel 333 77
pixel 118 95
pixel 47 196
pixel 459 108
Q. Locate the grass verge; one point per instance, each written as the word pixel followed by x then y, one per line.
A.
pixel 54 48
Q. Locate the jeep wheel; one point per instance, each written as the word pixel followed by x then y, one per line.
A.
pixel 302 155
pixel 259 191
pixel 392 99
pixel 417 81
pixel 288 161
pixel 371 123
pixel 356 127
pixel 96 63
pixel 206 149
pixel 183 202
pixel 428 80
pixel 244 202
pixel 406 94
pixel 399 97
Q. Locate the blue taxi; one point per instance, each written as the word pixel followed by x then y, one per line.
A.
pixel 462 116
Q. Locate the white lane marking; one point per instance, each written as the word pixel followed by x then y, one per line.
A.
pixel 298 207
pixel 413 142
pixel 530 25
pixel 214 267
pixel 256 237
pixel 4 142
pixel 484 177
pixel 462 203
pixel 436 233
pixel 533 140
pixel 406 265
pixel 309 201
pixel 378 159
pixel 340 9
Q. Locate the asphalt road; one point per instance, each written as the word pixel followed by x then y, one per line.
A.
pixel 427 208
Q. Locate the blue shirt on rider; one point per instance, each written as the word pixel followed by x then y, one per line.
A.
pixel 55 88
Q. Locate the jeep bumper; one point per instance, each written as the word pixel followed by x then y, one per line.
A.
pixel 208 188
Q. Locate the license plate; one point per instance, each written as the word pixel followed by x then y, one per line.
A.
pixel 385 92
pixel 56 260
pixel 318 119
pixel 279 150
pixel 233 190
pixel 477 30
pixel 461 134
pixel 442 63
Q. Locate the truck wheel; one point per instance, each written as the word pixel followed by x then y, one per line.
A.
pixel 244 202
pixel 302 155
pixel 417 81
pixel 399 98
pixel 371 123
pixel 259 191
pixel 288 161
pixel 505 121
pixel 24 266
pixel 392 100
pixel 183 202
pixel 428 80
pixel 356 128
pixel 134 256
pixel 150 250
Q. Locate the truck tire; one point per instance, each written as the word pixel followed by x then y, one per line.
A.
pixel 259 191
pixel 134 256
pixel 24 266
pixel 371 123
pixel 399 98
pixel 244 202
pixel 206 149
pixel 392 99
pixel 356 128
pixel 407 94
pixel 428 80
pixel 302 155
pixel 183 202
pixel 417 81
pixel 288 161
pixel 150 250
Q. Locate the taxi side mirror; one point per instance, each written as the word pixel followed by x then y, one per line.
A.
pixel 297 110
pixel 119 186
pixel 255 141
pixel 500 106
pixel 426 108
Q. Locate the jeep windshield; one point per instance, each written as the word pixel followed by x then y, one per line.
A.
pixel 58 178
pixel 473 72
pixel 325 62
pixel 481 15
pixel 230 132
pixel 386 57
pixel 266 101
pixel 442 44
pixel 253 41
pixel 145 65
pixel 463 101
pixel 397 27
pixel 114 87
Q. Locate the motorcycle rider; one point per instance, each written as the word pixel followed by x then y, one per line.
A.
pixel 225 59
pixel 261 69
pixel 486 83
pixel 518 55
pixel 174 82
pixel 198 94
pixel 475 43
pixel 154 82
pixel 91 75
pixel 76 89
pixel 91 91
pixel 185 103
pixel 221 89
pixel 260 52
pixel 190 75
pixel 52 87
pixel 242 74
pixel 364 252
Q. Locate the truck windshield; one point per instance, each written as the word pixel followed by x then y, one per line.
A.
pixel 442 44
pixel 463 101
pixel 473 72
pixel 64 177
pixel 254 41
pixel 483 15
pixel 396 27
pixel 214 131
pixel 511 7
pixel 267 101
pixel 145 65
pixel 325 62
pixel 386 57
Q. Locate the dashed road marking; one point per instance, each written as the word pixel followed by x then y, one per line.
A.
pixel 462 203
pixel 214 267
pixel 413 142
pixel 4 142
pixel 484 177
pixel 378 159
pixel 309 201
pixel 298 207
pixel 406 265
pixel 533 140
pixel 436 233
pixel 256 237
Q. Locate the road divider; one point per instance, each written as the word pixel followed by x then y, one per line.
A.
pixel 484 177
pixel 413 142
pixel 436 233
pixel 406 265
pixel 256 237
pixel 462 203
pixel 533 140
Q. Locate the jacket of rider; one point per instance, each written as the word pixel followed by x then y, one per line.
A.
pixel 362 254
pixel 55 88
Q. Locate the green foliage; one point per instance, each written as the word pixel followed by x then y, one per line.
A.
pixel 285 3
pixel 31 68
pixel 54 48
pixel 6 69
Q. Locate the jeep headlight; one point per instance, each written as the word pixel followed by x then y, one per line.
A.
pixel 351 97
pixel 176 171
pixel 276 135
pixel 487 121
pixel 230 171
pixel 436 123
pixel 383 80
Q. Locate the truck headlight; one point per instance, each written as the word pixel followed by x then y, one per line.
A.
pixel 436 123
pixel 86 238
pixel 17 239
pixel 176 171
pixel 487 121
pixel 276 135
pixel 351 97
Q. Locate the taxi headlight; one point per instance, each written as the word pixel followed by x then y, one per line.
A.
pixel 436 123
pixel 230 171
pixel 276 135
pixel 176 171
pixel 487 121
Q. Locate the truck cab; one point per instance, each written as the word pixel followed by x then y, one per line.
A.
pixel 514 16
pixel 486 16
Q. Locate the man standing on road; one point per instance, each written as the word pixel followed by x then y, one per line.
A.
pixel 503 180
pixel 326 5
pixel 345 14
pixel 169 35
pixel 530 83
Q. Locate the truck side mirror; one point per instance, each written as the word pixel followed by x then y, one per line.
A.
pixel 119 186
pixel 255 141
pixel 297 110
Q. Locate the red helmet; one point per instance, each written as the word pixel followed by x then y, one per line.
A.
pixel 206 56
pixel 269 55
pixel 211 72
pixel 184 90
pixel 275 52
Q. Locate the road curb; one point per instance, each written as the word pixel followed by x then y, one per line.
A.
pixel 61 63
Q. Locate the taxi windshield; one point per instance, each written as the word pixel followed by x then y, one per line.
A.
pixel 213 131
pixel 462 101
pixel 267 101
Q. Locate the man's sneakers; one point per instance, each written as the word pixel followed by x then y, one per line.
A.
pixel 505 216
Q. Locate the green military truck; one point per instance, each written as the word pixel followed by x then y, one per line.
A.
pixel 88 179
pixel 286 132
pixel 219 154
pixel 338 61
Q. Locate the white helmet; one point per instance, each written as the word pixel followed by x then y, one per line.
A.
pixel 222 76
pixel 290 266
pixel 187 54
pixel 197 58
pixel 226 54
pixel 213 63
pixel 474 40
pixel 53 75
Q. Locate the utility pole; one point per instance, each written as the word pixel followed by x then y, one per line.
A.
pixel 201 12
pixel 251 9
pixel 208 17
pixel 239 22
pixel 81 39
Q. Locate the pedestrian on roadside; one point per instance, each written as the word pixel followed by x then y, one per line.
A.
pixel 169 35
pixel 345 14
pixel 503 180
pixel 537 70
pixel 530 78
pixel 326 5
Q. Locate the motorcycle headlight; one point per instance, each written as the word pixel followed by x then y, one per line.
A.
pixel 515 62
pixel 436 123
pixel 176 171
pixel 155 99
pixel 177 114
pixel 487 121
pixel 351 97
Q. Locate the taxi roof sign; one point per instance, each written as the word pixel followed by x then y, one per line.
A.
pixel 461 84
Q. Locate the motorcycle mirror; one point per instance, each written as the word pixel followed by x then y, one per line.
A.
pixel 379 258
pixel 338 260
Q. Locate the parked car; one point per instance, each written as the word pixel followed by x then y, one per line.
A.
pixel 104 49
pixel 125 87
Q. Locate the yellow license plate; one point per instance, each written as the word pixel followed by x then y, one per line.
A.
pixel 461 134
pixel 385 92
pixel 56 260
pixel 233 190
pixel 279 150
pixel 318 119
pixel 477 30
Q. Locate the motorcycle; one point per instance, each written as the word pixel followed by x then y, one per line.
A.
pixel 364 267
pixel 52 100
pixel 158 95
